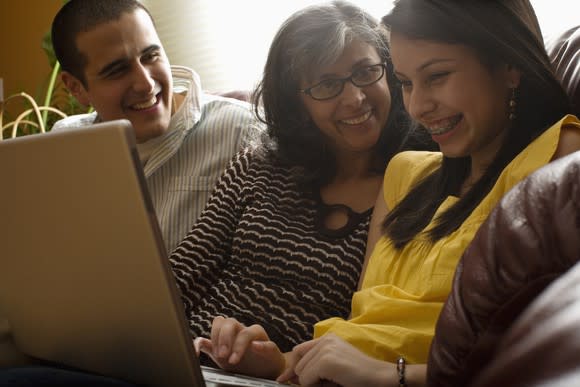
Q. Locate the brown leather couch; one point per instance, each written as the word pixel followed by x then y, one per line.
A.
pixel 564 52
pixel 543 346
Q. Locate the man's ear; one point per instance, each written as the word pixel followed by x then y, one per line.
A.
pixel 76 88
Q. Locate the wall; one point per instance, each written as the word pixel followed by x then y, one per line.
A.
pixel 24 67
pixel 228 49
pixel 23 64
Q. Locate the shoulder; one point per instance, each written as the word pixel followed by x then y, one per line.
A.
pixel 221 104
pixel 75 121
pixel 569 141
pixel 406 169
pixel 231 117
pixel 253 159
pixel 413 163
pixel 226 113
pixel 560 139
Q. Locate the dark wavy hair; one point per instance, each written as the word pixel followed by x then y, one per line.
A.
pixel 313 37
pixel 78 16
pixel 501 32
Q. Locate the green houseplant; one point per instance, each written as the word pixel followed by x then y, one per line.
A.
pixel 39 114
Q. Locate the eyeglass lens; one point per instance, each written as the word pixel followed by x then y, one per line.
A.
pixel 361 77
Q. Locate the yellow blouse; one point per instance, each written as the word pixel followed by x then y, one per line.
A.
pixel 403 291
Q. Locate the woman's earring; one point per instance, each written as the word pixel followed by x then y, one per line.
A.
pixel 512 105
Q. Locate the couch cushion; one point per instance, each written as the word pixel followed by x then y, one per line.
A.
pixel 564 53
pixel 542 347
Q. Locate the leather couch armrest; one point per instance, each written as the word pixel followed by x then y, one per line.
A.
pixel 542 347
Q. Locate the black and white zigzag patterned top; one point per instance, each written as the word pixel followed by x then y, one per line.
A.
pixel 256 254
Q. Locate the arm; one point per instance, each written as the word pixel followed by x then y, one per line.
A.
pixel 199 256
pixel 569 141
pixel 375 229
pixel 331 359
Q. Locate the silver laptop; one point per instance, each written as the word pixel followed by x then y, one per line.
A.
pixel 84 277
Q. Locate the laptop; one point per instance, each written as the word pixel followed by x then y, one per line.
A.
pixel 85 281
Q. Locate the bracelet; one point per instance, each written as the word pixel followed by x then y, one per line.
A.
pixel 401 371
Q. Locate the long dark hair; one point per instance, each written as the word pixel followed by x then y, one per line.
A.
pixel 310 38
pixel 500 32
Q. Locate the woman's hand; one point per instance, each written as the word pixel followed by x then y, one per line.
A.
pixel 330 359
pixel 237 348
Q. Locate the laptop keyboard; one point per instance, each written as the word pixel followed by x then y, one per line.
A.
pixel 221 377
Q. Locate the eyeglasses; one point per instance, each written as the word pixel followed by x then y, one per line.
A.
pixel 361 77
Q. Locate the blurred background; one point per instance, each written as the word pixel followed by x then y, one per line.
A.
pixel 225 41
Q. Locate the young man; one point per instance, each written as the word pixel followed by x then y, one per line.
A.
pixel 113 60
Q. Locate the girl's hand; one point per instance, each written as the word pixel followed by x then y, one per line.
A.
pixel 330 359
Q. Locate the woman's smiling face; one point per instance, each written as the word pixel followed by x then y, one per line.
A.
pixel 354 119
pixel 463 103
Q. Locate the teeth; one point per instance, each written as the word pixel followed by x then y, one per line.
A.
pixel 444 126
pixel 145 105
pixel 358 120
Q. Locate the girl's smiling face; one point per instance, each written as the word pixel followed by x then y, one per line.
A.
pixel 463 103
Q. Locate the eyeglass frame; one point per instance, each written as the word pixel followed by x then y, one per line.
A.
pixel 343 81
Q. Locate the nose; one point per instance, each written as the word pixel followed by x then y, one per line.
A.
pixel 352 95
pixel 418 102
pixel 143 82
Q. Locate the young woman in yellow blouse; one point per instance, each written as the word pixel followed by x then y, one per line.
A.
pixel 476 77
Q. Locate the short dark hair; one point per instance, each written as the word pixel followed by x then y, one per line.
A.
pixel 78 16
pixel 500 32
pixel 312 37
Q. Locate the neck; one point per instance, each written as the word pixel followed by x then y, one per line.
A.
pixel 352 166
pixel 482 159
pixel 353 185
pixel 476 172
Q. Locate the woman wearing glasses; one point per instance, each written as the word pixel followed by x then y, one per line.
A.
pixel 282 240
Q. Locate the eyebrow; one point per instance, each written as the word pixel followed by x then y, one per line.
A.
pixel 427 64
pixel 119 62
pixel 363 61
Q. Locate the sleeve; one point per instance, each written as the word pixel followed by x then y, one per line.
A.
pixel 390 325
pixel 199 256
pixel 406 169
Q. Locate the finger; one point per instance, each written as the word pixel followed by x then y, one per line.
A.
pixel 245 338
pixel 307 352
pixel 308 370
pixel 287 375
pixel 306 346
pixel 224 331
pixel 264 346
pixel 201 344
pixel 215 332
